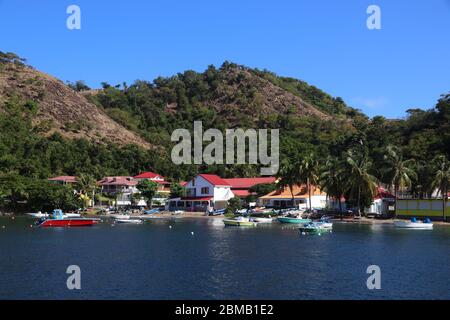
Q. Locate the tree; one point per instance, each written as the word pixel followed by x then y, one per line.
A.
pixel 289 176
pixel 233 205
pixel 87 186
pixel 359 179
pixel 148 190
pixel 263 189
pixel 309 168
pixel 399 171
pixel 441 179
pixel 332 180
pixel 176 191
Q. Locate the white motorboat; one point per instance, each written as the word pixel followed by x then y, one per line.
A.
pixel 71 215
pixel 120 216
pixel 414 224
pixel 129 221
pixel 262 219
pixel 326 225
pixel 38 215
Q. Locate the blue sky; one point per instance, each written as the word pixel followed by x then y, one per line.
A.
pixel 326 43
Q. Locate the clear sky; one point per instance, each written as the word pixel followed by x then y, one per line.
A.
pixel 325 43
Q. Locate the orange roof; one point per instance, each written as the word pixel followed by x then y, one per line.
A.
pixel 300 192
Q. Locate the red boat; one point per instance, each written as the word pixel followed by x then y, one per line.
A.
pixel 57 220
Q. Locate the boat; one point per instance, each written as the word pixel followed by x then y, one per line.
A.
pixel 129 221
pixel 313 228
pixel 120 216
pixel 239 222
pixel 414 224
pixel 151 211
pixel 296 220
pixel 71 215
pixel 262 219
pixel 58 220
pixel 38 215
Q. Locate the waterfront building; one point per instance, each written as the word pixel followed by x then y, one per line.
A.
pixel 204 192
pixel 299 198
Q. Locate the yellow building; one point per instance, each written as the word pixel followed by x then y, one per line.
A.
pixel 430 208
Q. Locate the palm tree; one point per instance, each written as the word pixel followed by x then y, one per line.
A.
pixel 87 186
pixel 332 180
pixel 309 169
pixel 359 178
pixel 442 179
pixel 289 176
pixel 400 171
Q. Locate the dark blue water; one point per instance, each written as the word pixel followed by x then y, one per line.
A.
pixel 152 261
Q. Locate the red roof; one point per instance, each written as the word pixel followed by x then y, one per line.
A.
pixel 214 179
pixel 241 193
pixel 148 175
pixel 246 183
pixel 383 194
pixel 183 183
pixel 117 181
pixel 70 179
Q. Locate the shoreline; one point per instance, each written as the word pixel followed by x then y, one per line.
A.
pixel 201 215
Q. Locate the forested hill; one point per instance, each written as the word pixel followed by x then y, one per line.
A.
pixel 58 108
pixel 50 128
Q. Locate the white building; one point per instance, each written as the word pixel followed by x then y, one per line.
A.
pixel 204 192
pixel 123 188
pixel 280 199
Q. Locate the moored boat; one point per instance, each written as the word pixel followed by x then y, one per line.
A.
pixel 239 222
pixel 414 224
pixel 120 216
pixel 38 215
pixel 296 220
pixel 129 221
pixel 58 220
pixel 262 219
pixel 314 228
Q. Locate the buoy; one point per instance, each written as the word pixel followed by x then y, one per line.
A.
pixel 170 227
pixel 192 232
pixel 13 217
pixel 3 227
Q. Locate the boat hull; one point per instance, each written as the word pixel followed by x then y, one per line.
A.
pixel 413 225
pixel 68 222
pixel 129 221
pixel 236 223
pixel 262 220
pixel 293 220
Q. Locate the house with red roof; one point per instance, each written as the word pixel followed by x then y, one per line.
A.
pixel 123 187
pixel 163 185
pixel 204 192
pixel 64 180
pixel 383 203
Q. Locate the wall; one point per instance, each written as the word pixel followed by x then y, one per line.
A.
pixel 422 208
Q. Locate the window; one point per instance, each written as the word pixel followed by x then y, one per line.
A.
pixel 205 190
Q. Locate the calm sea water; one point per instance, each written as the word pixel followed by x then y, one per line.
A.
pixel 153 261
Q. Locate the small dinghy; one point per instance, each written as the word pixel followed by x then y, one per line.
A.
pixel 262 219
pixel 38 215
pixel 414 224
pixel 239 222
pixel 129 221
pixel 120 216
